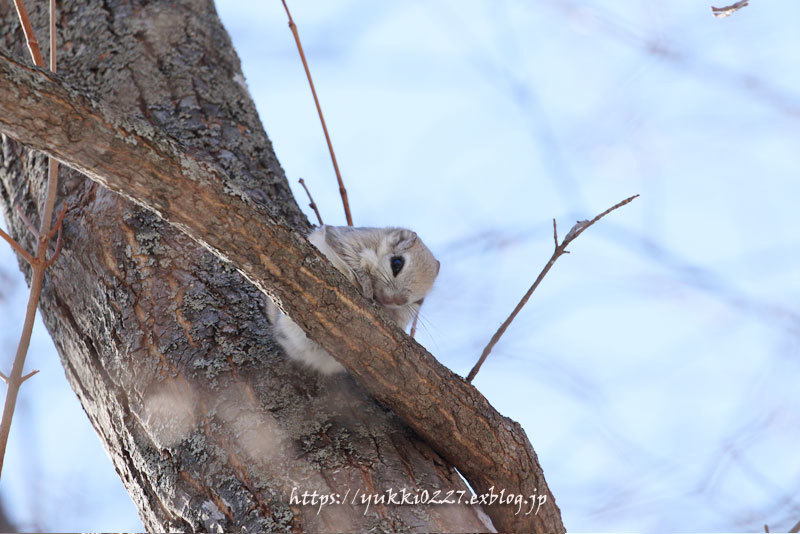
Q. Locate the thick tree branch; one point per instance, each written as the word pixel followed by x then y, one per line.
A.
pixel 135 160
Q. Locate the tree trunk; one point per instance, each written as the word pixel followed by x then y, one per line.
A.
pixel 168 348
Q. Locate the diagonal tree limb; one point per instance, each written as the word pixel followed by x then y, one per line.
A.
pixel 135 160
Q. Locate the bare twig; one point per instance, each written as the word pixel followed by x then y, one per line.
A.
pixel 57 225
pixel 24 378
pixel 16 246
pixel 342 190
pixel 560 249
pixel 795 528
pixel 311 204
pixel 31 228
pixel 40 262
pixel 27 29
pixel 3 377
pixel 52 35
pixel 50 262
pixel 727 11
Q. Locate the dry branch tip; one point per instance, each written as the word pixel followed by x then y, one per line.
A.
pixel 31 228
pixel 311 204
pixel 16 246
pixel 342 190
pixel 576 230
pixel 24 378
pixel 727 11
pixel 39 263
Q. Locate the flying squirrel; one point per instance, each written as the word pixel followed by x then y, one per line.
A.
pixel 391 266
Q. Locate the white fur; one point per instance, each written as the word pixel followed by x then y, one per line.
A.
pixel 299 347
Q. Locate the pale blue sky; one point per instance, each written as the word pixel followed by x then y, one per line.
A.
pixel 656 368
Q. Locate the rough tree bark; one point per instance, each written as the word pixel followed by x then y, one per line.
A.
pixel 168 348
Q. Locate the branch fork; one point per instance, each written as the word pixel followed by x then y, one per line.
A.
pixel 4 377
pixel 32 260
pixel 38 261
pixel 311 204
pixel 560 249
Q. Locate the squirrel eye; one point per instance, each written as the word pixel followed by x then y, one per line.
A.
pixel 397 263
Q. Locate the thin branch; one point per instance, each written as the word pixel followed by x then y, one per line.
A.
pixel 57 225
pixel 555 233
pixel 24 378
pixel 727 11
pixel 3 377
pixel 795 528
pixel 311 204
pixel 52 35
pixel 50 262
pixel 16 246
pixel 342 190
pixel 25 254
pixel 15 377
pixel 40 263
pixel 560 249
pixel 31 228
pixel 27 29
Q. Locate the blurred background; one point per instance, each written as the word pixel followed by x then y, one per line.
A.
pixel 657 368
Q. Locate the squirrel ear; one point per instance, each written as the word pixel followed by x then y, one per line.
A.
pixel 402 239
